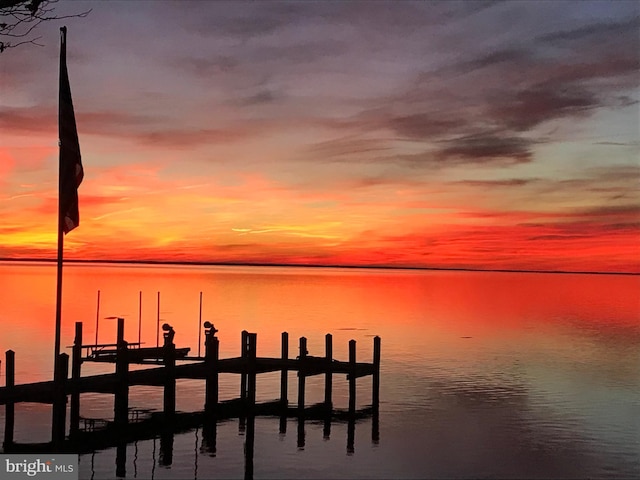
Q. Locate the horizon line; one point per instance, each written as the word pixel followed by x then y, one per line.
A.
pixel 307 265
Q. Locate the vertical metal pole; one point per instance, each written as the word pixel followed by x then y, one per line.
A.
pixel 158 323
pixel 9 409
pixel 200 326
pixel 97 315
pixel 139 318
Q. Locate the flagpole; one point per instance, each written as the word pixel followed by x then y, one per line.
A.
pixel 63 55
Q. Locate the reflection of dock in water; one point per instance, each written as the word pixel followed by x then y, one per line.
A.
pixel 206 431
pixel 86 435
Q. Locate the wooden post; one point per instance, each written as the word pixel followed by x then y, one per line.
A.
pixel 284 373
pixel 375 394
pixel 76 362
pixel 121 400
pixel 9 408
pixel 251 364
pixel 59 423
pixel 328 376
pixel 169 353
pixel 243 354
pixel 301 374
pixel 375 424
pixel 352 377
pixel 211 356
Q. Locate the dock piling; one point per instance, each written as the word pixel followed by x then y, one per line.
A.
pixel 301 374
pixel 121 400
pixel 9 409
pixel 211 354
pixel 284 373
pixel 58 423
pixel 76 362
pixel 328 376
pixel 169 353
pixel 244 339
pixel 352 377
pixel 375 385
pixel 252 341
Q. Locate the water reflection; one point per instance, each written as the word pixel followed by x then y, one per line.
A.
pixel 546 385
pixel 206 445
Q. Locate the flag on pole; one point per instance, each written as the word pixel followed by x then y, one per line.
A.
pixel 71 172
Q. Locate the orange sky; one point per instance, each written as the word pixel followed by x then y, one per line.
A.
pixel 400 134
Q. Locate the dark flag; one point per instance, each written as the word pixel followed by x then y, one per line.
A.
pixel 71 172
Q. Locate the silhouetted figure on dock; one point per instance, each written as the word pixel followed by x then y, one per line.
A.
pixel 211 329
pixel 168 334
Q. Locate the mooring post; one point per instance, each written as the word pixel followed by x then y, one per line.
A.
pixel 352 377
pixel 301 374
pixel 211 356
pixel 328 376
pixel 251 367
pixel 284 373
pixel 121 400
pixel 9 408
pixel 59 423
pixel 169 353
pixel 76 362
pixel 243 355
pixel 375 394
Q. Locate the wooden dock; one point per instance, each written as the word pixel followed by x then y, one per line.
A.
pixel 207 368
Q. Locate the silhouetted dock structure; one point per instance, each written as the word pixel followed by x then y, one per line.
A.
pixel 128 425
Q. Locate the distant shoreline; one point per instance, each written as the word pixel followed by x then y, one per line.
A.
pixel 239 264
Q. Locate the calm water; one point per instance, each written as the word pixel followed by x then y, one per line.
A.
pixel 494 375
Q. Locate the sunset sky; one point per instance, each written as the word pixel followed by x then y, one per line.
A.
pixel 437 134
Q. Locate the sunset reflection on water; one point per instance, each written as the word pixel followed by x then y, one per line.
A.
pixel 527 374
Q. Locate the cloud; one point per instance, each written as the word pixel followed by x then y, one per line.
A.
pixel 594 33
pixel 528 108
pixel 421 126
pixel 486 148
pixel 512 182
pixel 144 129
